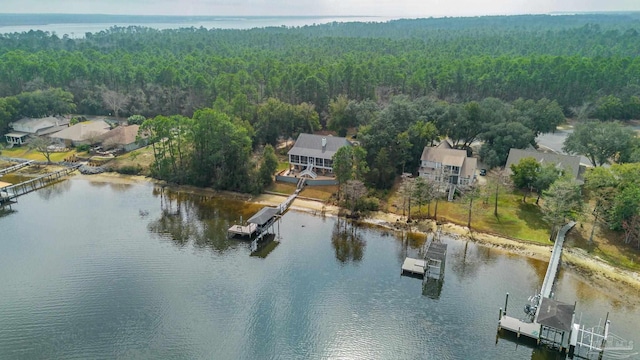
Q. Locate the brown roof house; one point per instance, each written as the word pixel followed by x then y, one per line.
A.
pixel 314 153
pixel 567 163
pixel 122 137
pixel 446 165
pixel 26 127
pixel 82 133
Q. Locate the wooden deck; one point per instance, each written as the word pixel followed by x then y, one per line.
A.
pixel 243 231
pixel 519 327
pixel 415 267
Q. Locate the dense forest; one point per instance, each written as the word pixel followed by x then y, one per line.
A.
pixel 502 80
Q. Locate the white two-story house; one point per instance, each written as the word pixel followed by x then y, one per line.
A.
pixel 313 154
pixel 446 165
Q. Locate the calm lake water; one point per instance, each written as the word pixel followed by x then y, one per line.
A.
pixel 78 30
pixel 96 270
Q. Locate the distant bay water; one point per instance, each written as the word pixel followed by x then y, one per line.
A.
pixel 76 27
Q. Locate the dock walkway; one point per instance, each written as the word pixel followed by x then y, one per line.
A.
pixel 10 193
pixel 554 262
pixel 533 327
pixel 15 167
pixel 260 222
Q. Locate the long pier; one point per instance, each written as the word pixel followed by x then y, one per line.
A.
pixel 554 262
pixel 10 193
pixel 553 323
pixel 15 167
pixel 263 219
pixel 533 326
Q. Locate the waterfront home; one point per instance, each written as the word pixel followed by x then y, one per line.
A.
pixel 122 138
pixel 312 154
pixel 447 165
pixel 564 163
pixel 86 132
pixel 27 127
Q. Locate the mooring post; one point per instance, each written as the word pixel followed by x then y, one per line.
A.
pixel 506 301
pixel 500 315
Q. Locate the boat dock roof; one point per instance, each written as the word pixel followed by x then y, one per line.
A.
pixel 263 216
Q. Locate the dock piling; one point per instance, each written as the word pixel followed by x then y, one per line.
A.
pixel 506 301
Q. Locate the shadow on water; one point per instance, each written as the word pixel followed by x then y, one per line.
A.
pixel 6 212
pixel 432 288
pixel 200 220
pixel 537 352
pixel 348 244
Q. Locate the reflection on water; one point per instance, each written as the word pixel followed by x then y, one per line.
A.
pixel 465 261
pixel 201 220
pixel 6 211
pixel 347 241
pixel 51 191
pixel 115 186
pixel 156 277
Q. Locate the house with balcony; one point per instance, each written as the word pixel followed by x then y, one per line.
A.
pixel 447 165
pixel 28 127
pixel 312 155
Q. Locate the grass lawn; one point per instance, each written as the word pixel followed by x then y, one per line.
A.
pixel 319 192
pixel 283 165
pixel 607 245
pixel 26 153
pixel 142 157
pixel 522 221
pixel 323 193
pixel 281 187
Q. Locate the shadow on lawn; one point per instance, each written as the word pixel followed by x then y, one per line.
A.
pixel 532 216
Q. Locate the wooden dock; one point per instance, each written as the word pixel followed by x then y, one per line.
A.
pixel 261 221
pixel 414 267
pixel 551 322
pixel 432 265
pixel 15 167
pixel 9 194
pixel 248 230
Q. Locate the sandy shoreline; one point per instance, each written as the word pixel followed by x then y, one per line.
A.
pixel 590 268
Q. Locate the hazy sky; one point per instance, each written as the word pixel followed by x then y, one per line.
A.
pixel 388 8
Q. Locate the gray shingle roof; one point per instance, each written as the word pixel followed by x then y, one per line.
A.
pixel 566 162
pixel 83 131
pixel 311 145
pixel 263 216
pixel 444 154
pixel 556 314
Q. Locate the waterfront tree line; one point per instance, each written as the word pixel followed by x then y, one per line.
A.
pixel 214 97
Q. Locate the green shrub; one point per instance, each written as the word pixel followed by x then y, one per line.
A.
pixel 83 148
pixel 129 170
pixel 368 204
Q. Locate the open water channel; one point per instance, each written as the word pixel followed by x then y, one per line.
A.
pixel 104 270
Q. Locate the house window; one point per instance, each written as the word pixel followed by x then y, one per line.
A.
pixel 295 159
pixel 319 162
pixel 328 163
pixel 303 159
